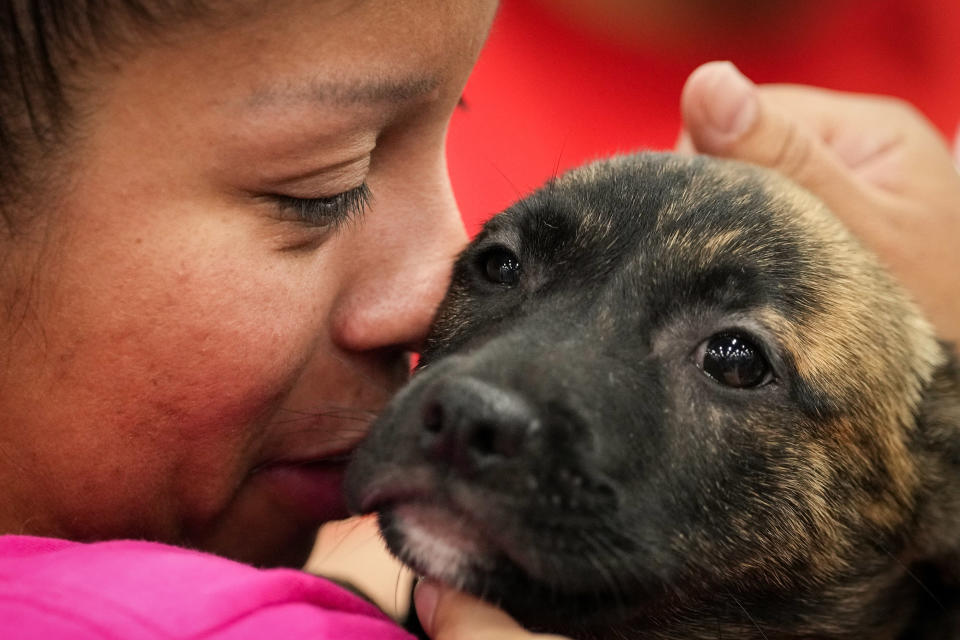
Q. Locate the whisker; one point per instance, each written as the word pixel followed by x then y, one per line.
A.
pixel 563 147
pixel 602 558
pixel 308 418
pixel 749 617
pixel 332 410
pixel 912 575
pixel 352 527
pixel 338 432
pixel 336 438
pixel 379 385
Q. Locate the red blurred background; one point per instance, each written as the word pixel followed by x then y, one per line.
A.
pixel 563 81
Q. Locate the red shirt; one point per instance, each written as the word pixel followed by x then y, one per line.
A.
pixel 546 96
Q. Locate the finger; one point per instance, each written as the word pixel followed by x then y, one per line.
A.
pixel 684 145
pixel 446 614
pixel 883 141
pixel 726 115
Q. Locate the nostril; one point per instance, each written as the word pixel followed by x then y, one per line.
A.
pixel 482 439
pixel 433 417
pixel 468 424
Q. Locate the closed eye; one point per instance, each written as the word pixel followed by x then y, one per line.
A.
pixel 328 211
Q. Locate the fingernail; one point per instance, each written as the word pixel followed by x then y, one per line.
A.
pixel 425 598
pixel 731 106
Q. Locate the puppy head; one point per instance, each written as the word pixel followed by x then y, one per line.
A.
pixel 662 393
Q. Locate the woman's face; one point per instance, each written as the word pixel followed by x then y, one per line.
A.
pixel 200 324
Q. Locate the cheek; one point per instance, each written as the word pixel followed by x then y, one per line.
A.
pixel 205 345
pixel 163 365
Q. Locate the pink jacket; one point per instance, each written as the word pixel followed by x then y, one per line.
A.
pixel 127 590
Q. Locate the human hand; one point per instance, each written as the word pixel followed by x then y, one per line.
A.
pixel 446 614
pixel 875 161
pixel 353 552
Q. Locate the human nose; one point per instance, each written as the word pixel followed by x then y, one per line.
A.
pixel 400 272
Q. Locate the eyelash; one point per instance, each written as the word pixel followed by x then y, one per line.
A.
pixel 331 211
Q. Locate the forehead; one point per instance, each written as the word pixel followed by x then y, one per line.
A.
pixel 298 53
pixel 673 238
pixel 385 41
pixel 703 229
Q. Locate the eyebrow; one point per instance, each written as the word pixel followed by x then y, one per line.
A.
pixel 345 93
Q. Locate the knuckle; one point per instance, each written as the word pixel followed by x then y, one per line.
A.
pixel 792 154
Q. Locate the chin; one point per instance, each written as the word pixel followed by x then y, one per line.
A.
pixel 262 546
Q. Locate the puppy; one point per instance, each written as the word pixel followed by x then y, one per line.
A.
pixel 672 397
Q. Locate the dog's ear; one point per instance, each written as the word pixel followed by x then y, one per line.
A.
pixel 938 452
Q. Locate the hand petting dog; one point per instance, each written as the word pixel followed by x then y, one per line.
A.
pixel 877 163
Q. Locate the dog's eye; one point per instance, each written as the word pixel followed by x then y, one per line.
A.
pixel 501 266
pixel 734 360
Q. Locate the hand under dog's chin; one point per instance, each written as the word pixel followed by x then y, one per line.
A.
pixel 445 545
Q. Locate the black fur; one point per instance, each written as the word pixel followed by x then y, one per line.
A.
pixel 561 452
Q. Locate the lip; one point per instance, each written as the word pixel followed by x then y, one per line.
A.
pixel 313 489
pixel 391 489
pixel 418 498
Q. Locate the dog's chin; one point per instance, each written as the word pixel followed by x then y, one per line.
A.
pixel 437 542
pixel 440 543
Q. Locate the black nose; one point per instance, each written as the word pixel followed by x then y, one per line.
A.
pixel 470 424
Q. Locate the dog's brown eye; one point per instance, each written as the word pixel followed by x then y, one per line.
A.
pixel 734 360
pixel 501 266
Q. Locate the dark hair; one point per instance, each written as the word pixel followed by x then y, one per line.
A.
pixel 47 47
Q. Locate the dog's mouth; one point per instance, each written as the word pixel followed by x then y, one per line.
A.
pixel 503 562
pixel 428 530
pixel 439 542
pixel 483 543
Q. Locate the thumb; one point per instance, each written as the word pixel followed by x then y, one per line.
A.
pixel 725 115
pixel 446 614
